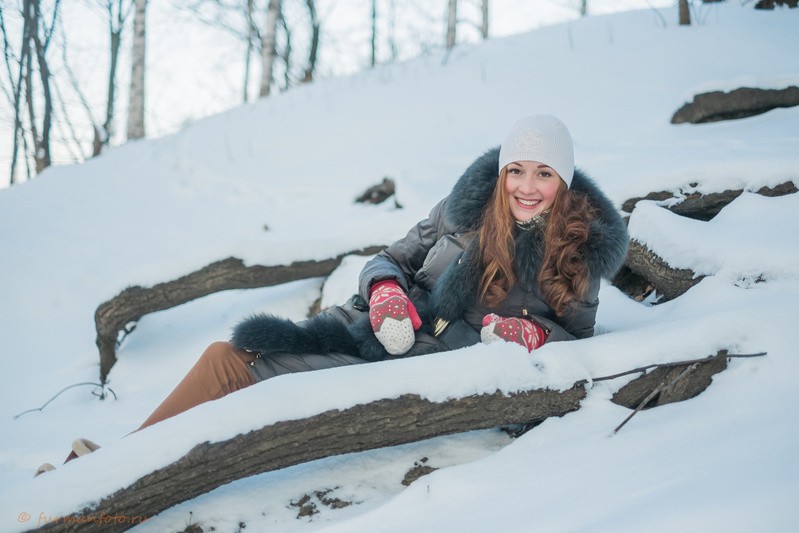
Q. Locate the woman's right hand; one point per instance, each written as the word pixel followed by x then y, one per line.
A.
pixel 393 317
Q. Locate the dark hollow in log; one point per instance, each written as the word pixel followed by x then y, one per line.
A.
pixel 739 103
pixel 131 304
pixel 633 285
pixel 386 422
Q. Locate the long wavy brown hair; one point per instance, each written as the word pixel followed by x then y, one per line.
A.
pixel 563 277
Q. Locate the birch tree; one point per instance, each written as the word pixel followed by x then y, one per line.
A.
pixel 269 46
pixel 251 39
pixel 484 21
pixel 137 77
pixel 452 21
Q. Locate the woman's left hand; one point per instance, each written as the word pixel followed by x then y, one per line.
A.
pixel 522 331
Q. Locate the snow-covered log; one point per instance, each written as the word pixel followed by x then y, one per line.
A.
pixel 377 424
pixel 645 271
pixel 115 315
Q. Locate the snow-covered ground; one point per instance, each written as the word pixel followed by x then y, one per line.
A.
pixel 274 181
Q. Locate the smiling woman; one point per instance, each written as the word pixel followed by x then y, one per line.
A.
pixel 514 253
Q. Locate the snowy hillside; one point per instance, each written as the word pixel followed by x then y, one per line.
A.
pixel 274 182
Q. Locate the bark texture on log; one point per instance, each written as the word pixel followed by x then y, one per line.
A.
pixel 131 304
pixel 386 422
pixel 706 206
pixel 636 391
pixel 668 281
pixel 739 103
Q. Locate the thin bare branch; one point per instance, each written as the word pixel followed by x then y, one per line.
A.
pixel 660 388
pixel 643 369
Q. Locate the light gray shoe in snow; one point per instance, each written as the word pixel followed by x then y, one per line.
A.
pixel 46 467
pixel 83 447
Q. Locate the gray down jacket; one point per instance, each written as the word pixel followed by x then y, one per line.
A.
pixel 434 264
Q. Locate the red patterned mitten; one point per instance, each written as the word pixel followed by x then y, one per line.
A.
pixel 519 330
pixel 393 317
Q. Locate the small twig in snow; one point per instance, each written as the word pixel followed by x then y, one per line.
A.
pixel 102 396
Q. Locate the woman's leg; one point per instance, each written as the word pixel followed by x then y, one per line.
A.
pixel 221 369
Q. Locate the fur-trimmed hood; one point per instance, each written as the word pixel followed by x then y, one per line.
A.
pixel 606 247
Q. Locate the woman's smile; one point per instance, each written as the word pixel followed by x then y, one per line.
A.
pixel 531 187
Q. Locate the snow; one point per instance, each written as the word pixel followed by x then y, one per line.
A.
pixel 274 182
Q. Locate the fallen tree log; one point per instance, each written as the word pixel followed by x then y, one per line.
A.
pixel 377 424
pixel 740 103
pixel 116 315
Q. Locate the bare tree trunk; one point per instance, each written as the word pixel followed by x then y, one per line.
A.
pixel 24 52
pixel 40 42
pixel 583 8
pixel 452 17
pixel 392 33
pixel 314 46
pixel 484 24
pixel 137 77
pixel 373 59
pixel 252 34
pixel 116 23
pixel 685 14
pixel 286 55
pixel 269 46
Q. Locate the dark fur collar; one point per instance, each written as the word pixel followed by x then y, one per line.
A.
pixel 607 245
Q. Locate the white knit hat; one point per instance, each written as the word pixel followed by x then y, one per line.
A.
pixel 541 138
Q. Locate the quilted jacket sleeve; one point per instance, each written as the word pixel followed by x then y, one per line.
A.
pixel 406 256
